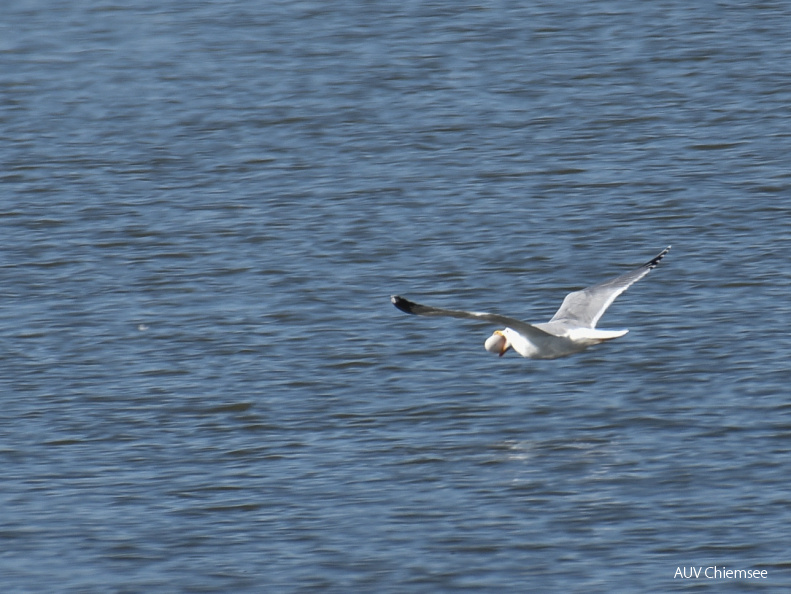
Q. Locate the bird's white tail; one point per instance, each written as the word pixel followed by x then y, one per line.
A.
pixel 595 336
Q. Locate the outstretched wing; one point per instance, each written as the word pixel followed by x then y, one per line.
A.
pixel 525 329
pixel 584 308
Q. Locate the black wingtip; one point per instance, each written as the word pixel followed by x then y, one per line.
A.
pixel 403 304
pixel 652 264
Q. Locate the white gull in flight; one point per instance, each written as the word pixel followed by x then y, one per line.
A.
pixel 571 330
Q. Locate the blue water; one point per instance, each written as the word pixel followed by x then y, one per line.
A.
pixel 205 206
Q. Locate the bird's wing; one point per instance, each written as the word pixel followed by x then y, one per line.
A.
pixel 525 329
pixel 584 308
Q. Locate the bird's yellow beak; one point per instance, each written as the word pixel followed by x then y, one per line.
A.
pixel 506 344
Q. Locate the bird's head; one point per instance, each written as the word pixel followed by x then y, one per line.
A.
pixel 497 343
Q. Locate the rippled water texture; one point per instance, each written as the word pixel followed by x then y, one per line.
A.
pixel 204 210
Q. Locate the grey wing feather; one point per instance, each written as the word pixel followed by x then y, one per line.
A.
pixel 523 328
pixel 584 308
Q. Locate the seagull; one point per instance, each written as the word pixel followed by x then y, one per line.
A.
pixel 572 329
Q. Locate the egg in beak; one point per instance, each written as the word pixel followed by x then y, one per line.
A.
pixel 497 343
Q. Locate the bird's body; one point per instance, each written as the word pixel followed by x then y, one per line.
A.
pixel 572 329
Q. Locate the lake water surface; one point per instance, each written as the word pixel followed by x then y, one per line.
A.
pixel 205 207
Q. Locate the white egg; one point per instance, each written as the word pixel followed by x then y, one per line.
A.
pixel 495 343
